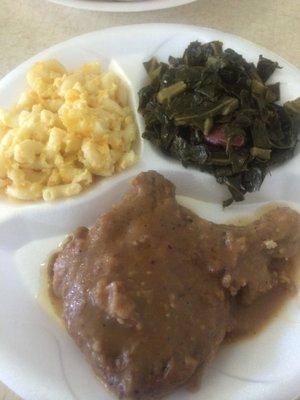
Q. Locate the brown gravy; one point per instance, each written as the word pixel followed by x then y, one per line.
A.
pixel 250 320
pixel 151 290
pixel 253 319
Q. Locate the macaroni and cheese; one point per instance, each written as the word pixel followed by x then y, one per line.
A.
pixel 65 129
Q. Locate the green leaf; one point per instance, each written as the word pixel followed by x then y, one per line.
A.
pixel 259 133
pixel 293 108
pixel 154 68
pixel 266 67
pixel 273 92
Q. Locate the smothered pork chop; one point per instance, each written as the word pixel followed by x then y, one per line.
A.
pixel 147 293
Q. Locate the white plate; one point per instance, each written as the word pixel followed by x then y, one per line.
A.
pixel 37 358
pixel 122 5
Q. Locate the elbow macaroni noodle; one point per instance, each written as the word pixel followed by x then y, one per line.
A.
pixel 65 129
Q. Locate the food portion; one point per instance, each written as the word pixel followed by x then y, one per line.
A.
pixel 66 129
pixel 213 110
pixel 150 291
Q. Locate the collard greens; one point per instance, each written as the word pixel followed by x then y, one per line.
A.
pixel 213 110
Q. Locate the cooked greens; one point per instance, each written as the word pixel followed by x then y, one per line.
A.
pixel 213 110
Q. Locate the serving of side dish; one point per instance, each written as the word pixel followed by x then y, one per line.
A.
pixel 37 357
pixel 123 5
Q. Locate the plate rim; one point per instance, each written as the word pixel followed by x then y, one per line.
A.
pixel 122 6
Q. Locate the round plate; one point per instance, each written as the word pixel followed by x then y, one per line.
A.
pixel 122 6
pixel 38 360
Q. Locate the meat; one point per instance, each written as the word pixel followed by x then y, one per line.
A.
pixel 147 292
